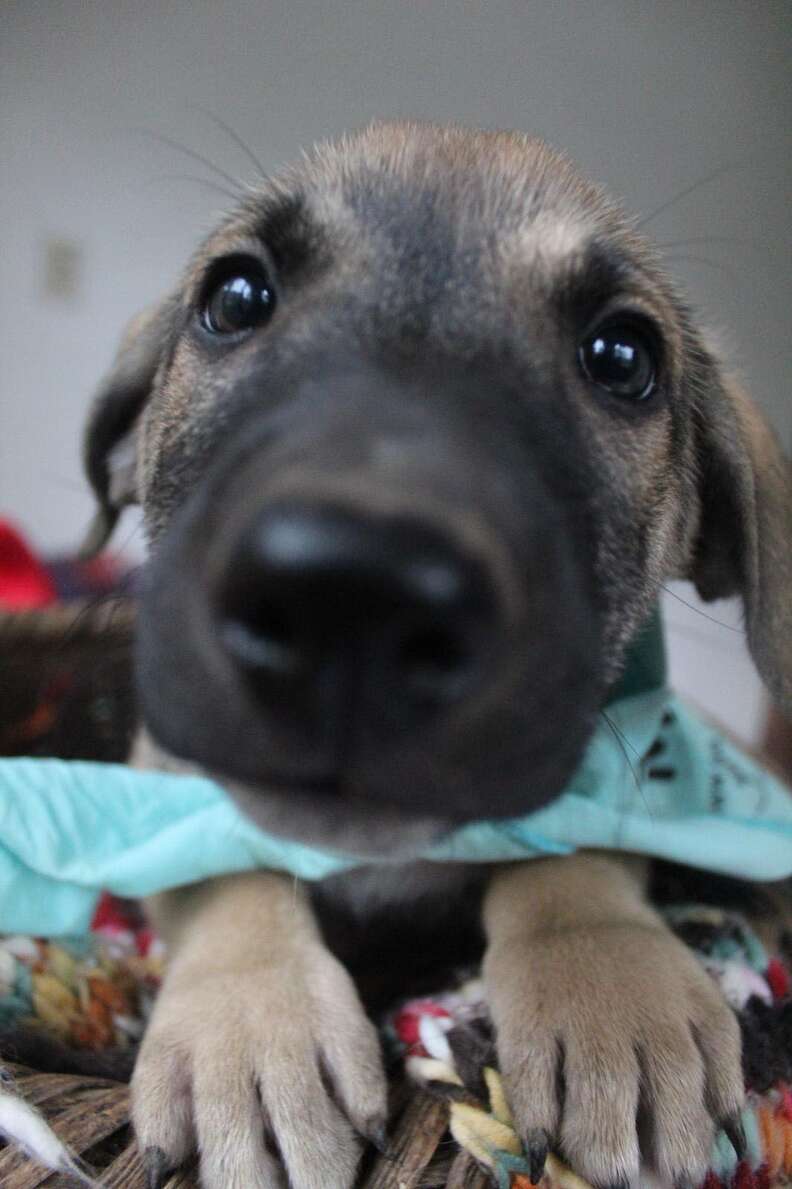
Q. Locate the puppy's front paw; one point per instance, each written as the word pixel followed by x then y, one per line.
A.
pixel 616 1046
pixel 268 1071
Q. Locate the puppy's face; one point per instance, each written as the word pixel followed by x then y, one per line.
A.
pixel 418 439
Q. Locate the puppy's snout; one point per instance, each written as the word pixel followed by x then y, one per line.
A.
pixel 335 616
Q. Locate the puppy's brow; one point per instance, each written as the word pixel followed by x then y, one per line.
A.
pixel 284 225
pixel 598 274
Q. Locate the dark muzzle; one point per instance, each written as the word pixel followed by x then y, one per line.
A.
pixel 378 586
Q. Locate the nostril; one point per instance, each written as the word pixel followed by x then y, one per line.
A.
pixel 332 615
pixel 435 663
pixel 263 639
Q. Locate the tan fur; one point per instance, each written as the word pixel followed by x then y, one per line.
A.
pixel 254 1014
pixel 579 968
pixel 585 981
pixel 770 531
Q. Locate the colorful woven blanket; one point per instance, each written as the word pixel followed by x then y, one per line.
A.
pixel 96 991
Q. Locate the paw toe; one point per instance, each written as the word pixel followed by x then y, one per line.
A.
pixel 229 1124
pixel 318 1145
pixel 162 1109
pixel 531 1073
pixel 598 1132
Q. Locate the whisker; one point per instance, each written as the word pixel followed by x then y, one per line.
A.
pixel 188 152
pixel 727 626
pixel 718 265
pixel 676 628
pixel 113 600
pixel 619 733
pixel 710 177
pixel 743 241
pixel 621 739
pixel 189 177
pixel 234 135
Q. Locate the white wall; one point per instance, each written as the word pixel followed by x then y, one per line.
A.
pixel 649 97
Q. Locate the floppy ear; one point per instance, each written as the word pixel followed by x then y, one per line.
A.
pixel 109 453
pixel 745 536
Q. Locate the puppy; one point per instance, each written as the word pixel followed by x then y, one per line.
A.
pixel 418 437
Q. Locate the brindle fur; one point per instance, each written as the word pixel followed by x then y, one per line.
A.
pixel 418 251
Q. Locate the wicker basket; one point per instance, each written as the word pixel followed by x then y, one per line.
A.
pixel 66 685
pixel 92 1116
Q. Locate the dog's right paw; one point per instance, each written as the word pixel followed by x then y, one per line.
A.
pixel 270 1073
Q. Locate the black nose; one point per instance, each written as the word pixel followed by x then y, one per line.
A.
pixel 337 617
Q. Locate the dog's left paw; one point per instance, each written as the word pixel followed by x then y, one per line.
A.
pixel 616 1046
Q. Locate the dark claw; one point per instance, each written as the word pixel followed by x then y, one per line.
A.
pixel 157 1166
pixel 537 1144
pixel 618 1185
pixel 735 1133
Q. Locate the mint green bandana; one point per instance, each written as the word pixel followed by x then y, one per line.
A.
pixel 655 779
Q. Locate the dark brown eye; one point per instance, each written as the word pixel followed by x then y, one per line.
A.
pixel 242 298
pixel 621 358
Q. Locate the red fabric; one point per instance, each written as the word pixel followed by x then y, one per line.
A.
pixel 115 915
pixel 144 939
pixel 778 979
pixel 745 1179
pixel 407 1023
pixel 23 581
pixel 106 914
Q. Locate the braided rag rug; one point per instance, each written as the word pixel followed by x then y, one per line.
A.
pixel 96 991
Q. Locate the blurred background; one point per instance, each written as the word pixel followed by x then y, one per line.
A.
pixel 683 110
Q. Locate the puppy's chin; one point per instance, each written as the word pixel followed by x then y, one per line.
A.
pixel 350 825
pixel 339 820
